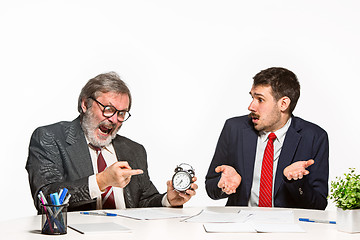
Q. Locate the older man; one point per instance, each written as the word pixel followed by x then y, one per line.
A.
pixel 100 168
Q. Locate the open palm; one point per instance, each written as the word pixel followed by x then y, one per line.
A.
pixel 230 179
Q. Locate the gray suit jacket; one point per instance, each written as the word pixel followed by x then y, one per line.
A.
pixel 59 157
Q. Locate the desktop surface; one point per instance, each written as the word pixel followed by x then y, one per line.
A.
pixel 175 228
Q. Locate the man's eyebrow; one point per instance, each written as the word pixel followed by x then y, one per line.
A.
pixel 110 104
pixel 256 94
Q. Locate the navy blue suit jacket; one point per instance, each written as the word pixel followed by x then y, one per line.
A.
pixel 303 141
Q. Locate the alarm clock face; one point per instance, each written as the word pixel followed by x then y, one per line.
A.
pixel 181 181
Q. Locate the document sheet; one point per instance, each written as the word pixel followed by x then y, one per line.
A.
pixel 247 221
pixel 103 227
pixel 147 214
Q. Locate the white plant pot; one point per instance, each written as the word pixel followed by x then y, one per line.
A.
pixel 348 220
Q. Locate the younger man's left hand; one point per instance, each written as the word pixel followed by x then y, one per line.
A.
pixel 297 170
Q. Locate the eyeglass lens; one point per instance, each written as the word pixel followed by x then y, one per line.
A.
pixel 109 111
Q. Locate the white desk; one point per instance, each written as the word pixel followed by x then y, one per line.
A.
pixel 29 228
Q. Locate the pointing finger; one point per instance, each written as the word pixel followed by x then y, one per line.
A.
pixel 123 164
pixel 134 172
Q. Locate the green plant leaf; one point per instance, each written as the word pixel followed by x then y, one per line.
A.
pixel 345 192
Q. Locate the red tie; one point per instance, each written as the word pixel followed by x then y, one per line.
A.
pixel 266 180
pixel 108 201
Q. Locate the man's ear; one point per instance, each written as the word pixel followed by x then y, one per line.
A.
pixel 284 104
pixel 83 105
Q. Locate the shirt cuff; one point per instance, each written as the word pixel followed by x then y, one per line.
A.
pixel 165 201
pixel 94 189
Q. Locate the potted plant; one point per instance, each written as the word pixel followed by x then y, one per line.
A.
pixel 345 192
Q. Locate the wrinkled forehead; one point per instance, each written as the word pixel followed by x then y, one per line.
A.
pixel 118 100
pixel 261 90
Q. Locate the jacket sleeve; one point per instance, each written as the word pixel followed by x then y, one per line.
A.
pixel 311 192
pixel 140 192
pixel 48 170
pixel 221 157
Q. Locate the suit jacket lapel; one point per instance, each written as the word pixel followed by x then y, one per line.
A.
pixel 289 147
pixel 249 151
pixel 117 145
pixel 121 156
pixel 78 149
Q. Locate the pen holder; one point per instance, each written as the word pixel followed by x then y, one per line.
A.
pixel 54 219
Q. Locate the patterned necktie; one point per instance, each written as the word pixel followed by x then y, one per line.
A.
pixel 108 200
pixel 266 180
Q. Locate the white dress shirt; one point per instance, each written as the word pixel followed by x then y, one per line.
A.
pixel 94 190
pixel 110 158
pixel 260 149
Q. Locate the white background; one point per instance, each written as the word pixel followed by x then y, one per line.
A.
pixel 189 65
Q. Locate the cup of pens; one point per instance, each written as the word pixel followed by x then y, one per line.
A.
pixel 54 219
pixel 54 215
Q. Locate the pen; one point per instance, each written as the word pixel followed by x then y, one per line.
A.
pixel 62 195
pixel 46 213
pixel 44 202
pixel 61 208
pixel 316 220
pixel 43 197
pixel 100 214
pixel 66 201
pixel 55 198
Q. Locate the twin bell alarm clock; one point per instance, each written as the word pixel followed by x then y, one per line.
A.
pixel 182 178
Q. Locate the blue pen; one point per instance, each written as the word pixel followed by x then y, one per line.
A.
pixel 55 198
pixel 316 220
pixel 61 208
pixel 100 214
pixel 63 193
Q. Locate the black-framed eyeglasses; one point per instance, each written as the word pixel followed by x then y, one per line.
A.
pixel 109 111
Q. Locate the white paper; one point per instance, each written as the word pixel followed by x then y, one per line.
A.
pixel 260 216
pixel 216 217
pixel 251 228
pixel 264 216
pixel 99 227
pixel 147 214
pixel 277 228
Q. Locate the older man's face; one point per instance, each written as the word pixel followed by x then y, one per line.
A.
pixel 98 129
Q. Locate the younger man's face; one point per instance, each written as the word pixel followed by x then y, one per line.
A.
pixel 264 109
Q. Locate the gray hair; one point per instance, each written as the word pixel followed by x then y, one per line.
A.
pixel 102 83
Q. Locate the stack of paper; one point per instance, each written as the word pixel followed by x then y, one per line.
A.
pixel 251 227
pixel 247 221
pixel 215 217
pixel 146 214
pixel 99 227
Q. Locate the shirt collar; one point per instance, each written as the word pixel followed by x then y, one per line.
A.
pixel 109 148
pixel 280 134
